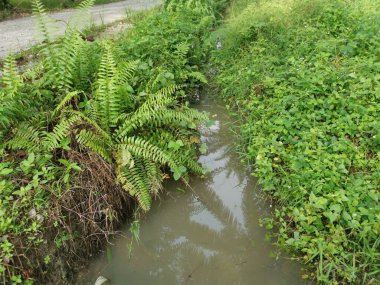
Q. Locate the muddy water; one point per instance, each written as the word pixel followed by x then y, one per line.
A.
pixel 207 235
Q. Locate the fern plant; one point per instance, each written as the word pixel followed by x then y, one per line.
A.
pixel 124 138
pixel 136 138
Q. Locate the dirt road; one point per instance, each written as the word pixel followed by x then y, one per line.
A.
pixel 20 34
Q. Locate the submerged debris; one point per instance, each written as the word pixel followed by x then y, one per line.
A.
pixel 101 280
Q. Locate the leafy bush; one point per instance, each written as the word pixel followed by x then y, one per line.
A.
pixel 304 77
pixel 123 102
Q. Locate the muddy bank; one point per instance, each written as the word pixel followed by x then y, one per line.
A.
pixel 78 223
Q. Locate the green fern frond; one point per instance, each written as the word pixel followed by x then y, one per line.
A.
pixel 96 143
pixel 142 148
pixel 87 65
pixel 153 176
pixel 169 90
pixel 86 4
pixel 106 97
pixel 185 135
pixel 182 49
pixel 65 59
pixel 82 14
pixel 69 96
pixel 31 74
pixel 156 82
pixel 43 22
pixel 189 159
pixel 126 71
pixel 154 119
pixel 132 180
pixel 11 80
pixel 170 117
pixel 160 137
pixel 25 137
pixel 90 111
pixel 153 107
pixel 94 125
pixel 155 102
pixel 198 76
pixel 53 139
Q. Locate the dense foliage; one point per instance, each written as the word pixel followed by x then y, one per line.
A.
pixel 124 101
pixel 305 78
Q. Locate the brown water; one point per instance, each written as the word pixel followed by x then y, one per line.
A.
pixel 208 235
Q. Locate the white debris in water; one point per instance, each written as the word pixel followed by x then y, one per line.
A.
pixel 101 280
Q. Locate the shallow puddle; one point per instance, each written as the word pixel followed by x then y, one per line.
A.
pixel 207 235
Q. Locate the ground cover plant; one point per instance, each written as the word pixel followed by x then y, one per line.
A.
pixel 90 131
pixel 304 77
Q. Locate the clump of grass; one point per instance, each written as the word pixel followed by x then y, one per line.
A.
pixel 304 76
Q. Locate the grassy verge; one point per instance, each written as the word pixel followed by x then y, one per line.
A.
pixel 90 132
pixel 14 7
pixel 27 5
pixel 304 77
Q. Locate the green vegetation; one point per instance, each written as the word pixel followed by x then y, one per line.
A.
pixel 27 5
pixel 9 7
pixel 90 120
pixel 304 77
pixel 94 128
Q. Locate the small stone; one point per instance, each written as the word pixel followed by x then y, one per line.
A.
pixel 32 213
pixel 39 218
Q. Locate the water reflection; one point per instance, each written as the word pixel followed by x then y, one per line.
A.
pixel 209 235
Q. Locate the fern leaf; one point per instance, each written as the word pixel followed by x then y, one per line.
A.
pixel 53 139
pixel 26 137
pixel 93 124
pixel 153 176
pixel 107 99
pixel 182 49
pixel 11 80
pixel 141 148
pixel 96 143
pixel 126 71
pixel 65 100
pixel 43 22
pixel 86 4
pixel 82 14
pixel 132 180
pixel 198 76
